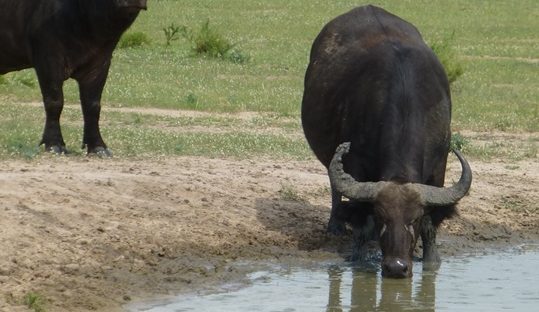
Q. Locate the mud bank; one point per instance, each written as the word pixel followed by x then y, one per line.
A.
pixel 91 234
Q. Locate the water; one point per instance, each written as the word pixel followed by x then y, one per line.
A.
pixel 506 281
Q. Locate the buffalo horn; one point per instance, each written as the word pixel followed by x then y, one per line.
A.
pixel 346 184
pixel 368 191
pixel 444 196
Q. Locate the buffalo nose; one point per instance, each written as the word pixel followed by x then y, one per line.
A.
pixel 396 268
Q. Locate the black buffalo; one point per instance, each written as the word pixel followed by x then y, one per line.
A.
pixel 372 81
pixel 65 39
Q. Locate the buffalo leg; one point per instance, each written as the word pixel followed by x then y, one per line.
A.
pixel 431 258
pixel 90 98
pixel 362 233
pixel 336 225
pixel 51 84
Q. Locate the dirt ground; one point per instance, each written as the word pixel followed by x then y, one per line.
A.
pixel 92 234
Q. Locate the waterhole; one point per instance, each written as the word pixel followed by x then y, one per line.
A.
pixel 495 281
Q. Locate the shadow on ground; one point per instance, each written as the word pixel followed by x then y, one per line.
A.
pixel 303 223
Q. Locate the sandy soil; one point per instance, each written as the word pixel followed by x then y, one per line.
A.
pixel 92 234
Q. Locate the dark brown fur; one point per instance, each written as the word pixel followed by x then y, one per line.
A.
pixel 64 39
pixel 373 81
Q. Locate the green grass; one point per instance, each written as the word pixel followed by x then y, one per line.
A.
pixel 459 142
pixel 139 134
pixel 288 192
pixel 488 146
pixel 137 142
pixel 503 150
pixel 34 302
pixel 496 42
pixel 208 41
pixel 133 40
pixel 445 50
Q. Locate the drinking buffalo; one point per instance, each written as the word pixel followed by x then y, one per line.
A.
pixel 372 81
pixel 65 39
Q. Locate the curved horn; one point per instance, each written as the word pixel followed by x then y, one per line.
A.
pixel 346 184
pixel 444 196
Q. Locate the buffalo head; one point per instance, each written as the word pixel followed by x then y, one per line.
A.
pixel 398 209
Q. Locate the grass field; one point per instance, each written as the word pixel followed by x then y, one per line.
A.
pixel 496 41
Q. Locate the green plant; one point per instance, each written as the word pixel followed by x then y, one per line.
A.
pixel 16 142
pixel 171 33
pixel 289 193
pixel 27 81
pixel 445 51
pixel 25 150
pixel 133 40
pixel 458 142
pixel 237 57
pixel 2 79
pixel 208 41
pixel 191 100
pixel 34 301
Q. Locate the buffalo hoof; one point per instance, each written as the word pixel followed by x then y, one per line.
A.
pixel 101 152
pixel 431 266
pixel 57 149
pixel 431 260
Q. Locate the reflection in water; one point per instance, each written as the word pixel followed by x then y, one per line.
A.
pixel 493 282
pixel 370 292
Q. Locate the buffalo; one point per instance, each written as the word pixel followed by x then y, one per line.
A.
pixel 373 83
pixel 64 39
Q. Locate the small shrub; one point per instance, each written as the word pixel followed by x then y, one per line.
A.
pixel 133 40
pixel 445 51
pixel 458 142
pixel 206 41
pixel 34 302
pixel 171 33
pixel 209 42
pixel 2 80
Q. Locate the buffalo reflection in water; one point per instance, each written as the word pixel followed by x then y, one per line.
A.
pixel 370 292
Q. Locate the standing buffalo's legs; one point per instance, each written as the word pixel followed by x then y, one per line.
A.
pixel 362 233
pixel 51 85
pixel 90 98
pixel 431 258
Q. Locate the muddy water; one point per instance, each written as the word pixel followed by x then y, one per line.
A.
pixel 507 281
